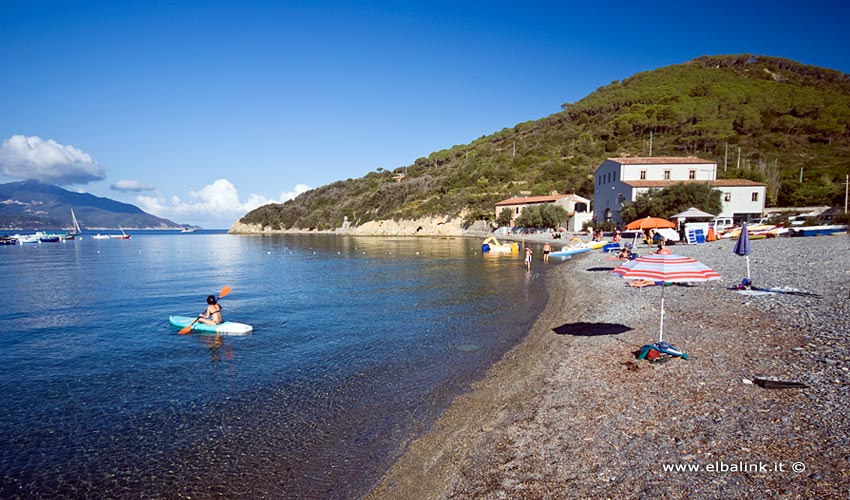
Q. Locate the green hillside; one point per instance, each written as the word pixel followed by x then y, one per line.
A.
pixel 762 118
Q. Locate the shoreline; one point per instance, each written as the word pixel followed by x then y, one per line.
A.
pixel 576 415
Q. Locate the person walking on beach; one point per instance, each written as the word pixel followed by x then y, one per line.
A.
pixel 547 248
pixel 212 316
pixel 528 252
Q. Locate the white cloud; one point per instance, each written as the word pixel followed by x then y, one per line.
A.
pixel 217 201
pixel 130 185
pixel 23 157
pixel 299 188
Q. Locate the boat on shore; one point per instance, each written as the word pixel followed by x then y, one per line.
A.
pixel 817 230
pixel 570 251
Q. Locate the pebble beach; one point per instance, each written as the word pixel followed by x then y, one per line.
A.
pixel 571 413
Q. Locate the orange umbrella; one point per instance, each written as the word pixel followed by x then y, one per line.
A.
pixel 649 223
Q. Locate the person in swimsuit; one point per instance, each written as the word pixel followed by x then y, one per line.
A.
pixel 616 238
pixel 212 316
pixel 546 249
pixel 528 258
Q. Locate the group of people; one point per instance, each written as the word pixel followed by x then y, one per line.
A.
pixel 547 249
pixel 651 237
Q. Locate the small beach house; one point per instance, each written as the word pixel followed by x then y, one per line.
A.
pixel 577 208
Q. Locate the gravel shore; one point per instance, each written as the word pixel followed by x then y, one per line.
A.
pixel 570 412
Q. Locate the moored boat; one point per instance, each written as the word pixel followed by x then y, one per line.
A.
pixel 76 232
pixel 26 238
pixel 122 236
pixel 8 240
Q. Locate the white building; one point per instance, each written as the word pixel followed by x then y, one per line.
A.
pixel 577 208
pixel 621 180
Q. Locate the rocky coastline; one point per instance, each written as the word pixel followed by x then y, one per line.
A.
pixel 425 226
pixel 571 413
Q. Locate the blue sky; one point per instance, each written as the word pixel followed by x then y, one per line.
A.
pixel 200 111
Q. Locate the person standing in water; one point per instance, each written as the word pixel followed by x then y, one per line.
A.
pixel 528 258
pixel 547 249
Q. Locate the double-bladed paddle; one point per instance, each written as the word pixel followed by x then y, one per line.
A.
pixel 186 329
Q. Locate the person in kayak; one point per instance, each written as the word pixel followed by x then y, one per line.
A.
pixel 212 316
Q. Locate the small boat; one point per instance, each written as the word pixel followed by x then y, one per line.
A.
pixel 8 240
pixel 570 251
pixel 817 230
pixel 189 230
pixel 26 238
pixel 77 231
pixel 491 244
pixel 577 242
pixel 122 236
pixel 99 236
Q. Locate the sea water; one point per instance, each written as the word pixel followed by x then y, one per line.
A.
pixel 358 345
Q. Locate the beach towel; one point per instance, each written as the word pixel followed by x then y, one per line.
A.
pixel 643 283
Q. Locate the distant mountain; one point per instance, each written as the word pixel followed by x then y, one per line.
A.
pixel 30 205
pixel 761 118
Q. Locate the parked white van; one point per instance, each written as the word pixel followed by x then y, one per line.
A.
pixel 723 223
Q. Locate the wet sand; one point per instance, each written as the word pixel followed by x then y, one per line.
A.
pixel 570 412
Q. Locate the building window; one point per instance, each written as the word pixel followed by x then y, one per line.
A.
pixel 643 175
pixel 517 210
pixel 727 197
pixel 755 196
pixel 666 175
pixel 692 174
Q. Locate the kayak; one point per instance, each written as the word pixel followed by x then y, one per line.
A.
pixel 568 251
pixel 226 328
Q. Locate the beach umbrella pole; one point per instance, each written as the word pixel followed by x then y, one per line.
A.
pixel 748 267
pixel 661 329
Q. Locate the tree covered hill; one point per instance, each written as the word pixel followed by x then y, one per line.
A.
pixel 762 118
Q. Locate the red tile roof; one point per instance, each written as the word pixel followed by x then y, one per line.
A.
pixel 521 200
pixel 660 160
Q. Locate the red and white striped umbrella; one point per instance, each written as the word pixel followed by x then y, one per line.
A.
pixel 670 267
pixel 661 267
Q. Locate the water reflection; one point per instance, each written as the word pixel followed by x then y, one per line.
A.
pixel 217 347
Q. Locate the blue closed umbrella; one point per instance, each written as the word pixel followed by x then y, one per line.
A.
pixel 742 247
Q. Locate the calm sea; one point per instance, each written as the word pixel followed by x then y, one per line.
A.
pixel 359 344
